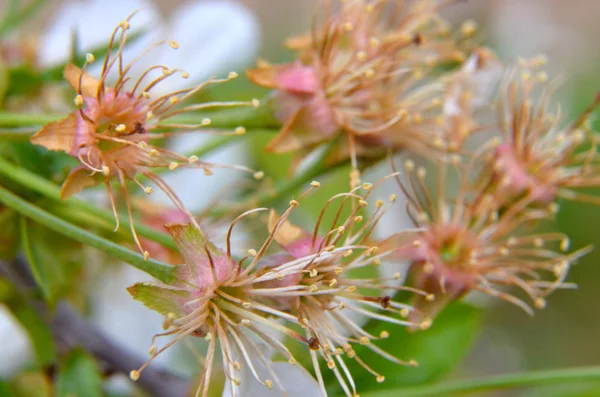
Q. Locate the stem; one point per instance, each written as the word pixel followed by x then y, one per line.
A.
pixel 155 268
pixel 227 119
pixel 51 191
pixel 509 381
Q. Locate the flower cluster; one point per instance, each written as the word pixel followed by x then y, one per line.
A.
pixel 306 294
pixel 376 79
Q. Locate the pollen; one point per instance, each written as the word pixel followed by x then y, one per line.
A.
pixel 333 283
pixel 269 384
pixel 313 273
pixel 338 270
pixel 120 128
pixel 173 44
pixel 314 289
pixel 78 100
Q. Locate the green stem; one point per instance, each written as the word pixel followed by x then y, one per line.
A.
pixel 248 117
pixel 51 191
pixel 155 268
pixel 510 381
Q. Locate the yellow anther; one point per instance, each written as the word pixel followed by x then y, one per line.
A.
pixel 358 218
pixel 341 230
pixel 120 128
pixel 315 184
pixel 542 77
pixel 347 253
pixel 146 255
pixel 252 252
pixel 409 165
pixel 245 322
pixel 207 171
pixel 105 170
pixel 313 273
pixel 362 203
pixel 348 26
pixel 134 375
pixel 173 44
pixel 413 363
pixel 351 353
pixel 232 75
pixel 364 340
pixel 152 350
pixel 425 324
pixel 240 130
pixel 430 297
pixel 367 186
pixel 193 159
pixel 538 242
pixel 78 100
pixel 149 115
pixel 208 337
pixel 384 334
pixel 504 251
pixel 236 381
pixel 258 175
pixel 341 306
pixel 236 365
pixel 314 289
pixel 173 166
pixel 330 364
pixel 124 25
pixel 351 289
pixel 564 244
pixel 206 121
pixel 468 28
pixel 397 276
pixel 369 73
pixel 246 305
pixel 333 283
pixel 146 95
pixel 377 262
pixel 292 361
pixel 184 75
pixel 338 270
pixel 293 203
pixel 428 268
pixel 255 103
pixel 416 243
pixel 374 42
pixel 404 312
pixel 148 190
pixel 380 379
pixel 89 57
pixel 393 198
pixel 173 100
pixel 539 303
pixel 269 384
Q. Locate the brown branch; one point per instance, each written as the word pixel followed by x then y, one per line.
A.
pixel 71 330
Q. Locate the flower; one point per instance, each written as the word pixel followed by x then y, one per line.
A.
pixel 361 76
pixel 538 155
pixel 221 299
pixel 110 133
pixel 469 241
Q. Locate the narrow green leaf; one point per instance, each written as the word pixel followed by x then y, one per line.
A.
pixel 78 376
pixel 437 350
pixel 5 390
pixel 13 19
pixel 155 268
pixel 39 333
pixel 44 261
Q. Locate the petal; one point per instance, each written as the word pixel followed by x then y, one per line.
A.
pixel 213 36
pixel 93 21
pixel 57 135
pixel 88 84
pixel 296 381
pixel 287 233
pixel 78 179
pixel 162 299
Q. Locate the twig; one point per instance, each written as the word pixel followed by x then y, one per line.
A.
pixel 70 329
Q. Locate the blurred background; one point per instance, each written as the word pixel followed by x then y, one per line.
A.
pixel 567 332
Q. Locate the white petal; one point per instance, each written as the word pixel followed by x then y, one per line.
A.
pixel 16 348
pixel 294 378
pixel 93 21
pixel 214 36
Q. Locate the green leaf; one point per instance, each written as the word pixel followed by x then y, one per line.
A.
pixel 43 255
pixel 5 390
pixel 9 233
pixel 164 300
pixel 78 376
pixel 437 350
pixel 39 333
